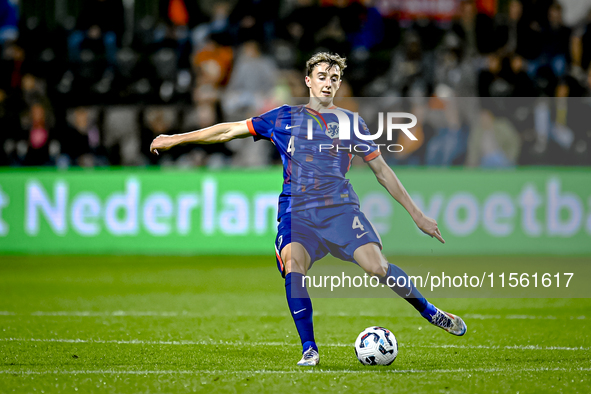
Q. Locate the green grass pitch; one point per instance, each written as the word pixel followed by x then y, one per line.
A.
pixel 221 324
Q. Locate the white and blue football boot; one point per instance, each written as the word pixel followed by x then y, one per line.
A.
pixel 310 358
pixel 450 323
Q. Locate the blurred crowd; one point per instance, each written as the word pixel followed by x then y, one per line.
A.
pixel 95 90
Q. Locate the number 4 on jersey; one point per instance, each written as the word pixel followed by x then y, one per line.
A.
pixel 291 146
pixel 357 224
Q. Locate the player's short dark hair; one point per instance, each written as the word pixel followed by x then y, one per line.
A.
pixel 332 59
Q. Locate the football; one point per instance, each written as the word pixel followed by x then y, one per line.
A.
pixel 376 346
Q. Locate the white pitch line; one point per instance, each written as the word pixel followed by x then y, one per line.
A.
pixel 240 314
pixel 508 347
pixel 302 371
pixel 180 314
pixel 514 317
pixel 140 342
pixel 238 343
pixel 117 314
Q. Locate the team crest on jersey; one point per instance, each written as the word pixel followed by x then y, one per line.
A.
pixel 332 130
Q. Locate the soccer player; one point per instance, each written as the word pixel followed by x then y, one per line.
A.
pixel 318 209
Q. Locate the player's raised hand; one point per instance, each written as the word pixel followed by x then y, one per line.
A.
pixel 429 227
pixel 162 143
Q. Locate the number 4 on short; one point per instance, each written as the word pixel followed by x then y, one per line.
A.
pixel 357 224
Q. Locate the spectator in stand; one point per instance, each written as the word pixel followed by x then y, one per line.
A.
pixel 362 23
pixel 555 38
pixel 301 24
pixel 17 95
pixel 249 91
pixel 182 13
pixel 213 68
pixel 534 16
pixel 218 24
pixel 254 20
pixel 454 70
pixel 341 27
pixel 410 75
pixel 99 27
pixel 36 125
pixel 179 17
pixel 512 30
pixel 332 35
pixel 11 68
pixel 390 18
pixel 83 139
pixel 581 48
pixel 8 126
pixel 158 121
pixel 491 82
pixel 494 143
pixel 449 144
pixel 475 30
pixel 568 122
pixel 521 83
pixel 213 62
pixel 536 12
pixel 253 79
pixel 8 22
pixel 587 83
pixel 414 151
pixel 429 32
pixel 582 144
pixel 562 127
pixel 34 90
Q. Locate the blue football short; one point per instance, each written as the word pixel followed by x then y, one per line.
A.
pixel 336 229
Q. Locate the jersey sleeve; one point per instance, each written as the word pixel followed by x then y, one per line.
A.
pixel 371 150
pixel 262 127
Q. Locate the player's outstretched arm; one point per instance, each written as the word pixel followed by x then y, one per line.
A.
pixel 221 132
pixel 390 181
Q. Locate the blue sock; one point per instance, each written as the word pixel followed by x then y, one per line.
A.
pixel 300 307
pixel 409 291
pixel 429 311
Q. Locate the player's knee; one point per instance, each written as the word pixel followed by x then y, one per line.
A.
pixel 377 269
pixel 292 265
pixel 295 258
pixel 287 266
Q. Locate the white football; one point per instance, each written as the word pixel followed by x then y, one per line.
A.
pixel 376 346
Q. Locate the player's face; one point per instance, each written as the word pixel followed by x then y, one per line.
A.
pixel 324 82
